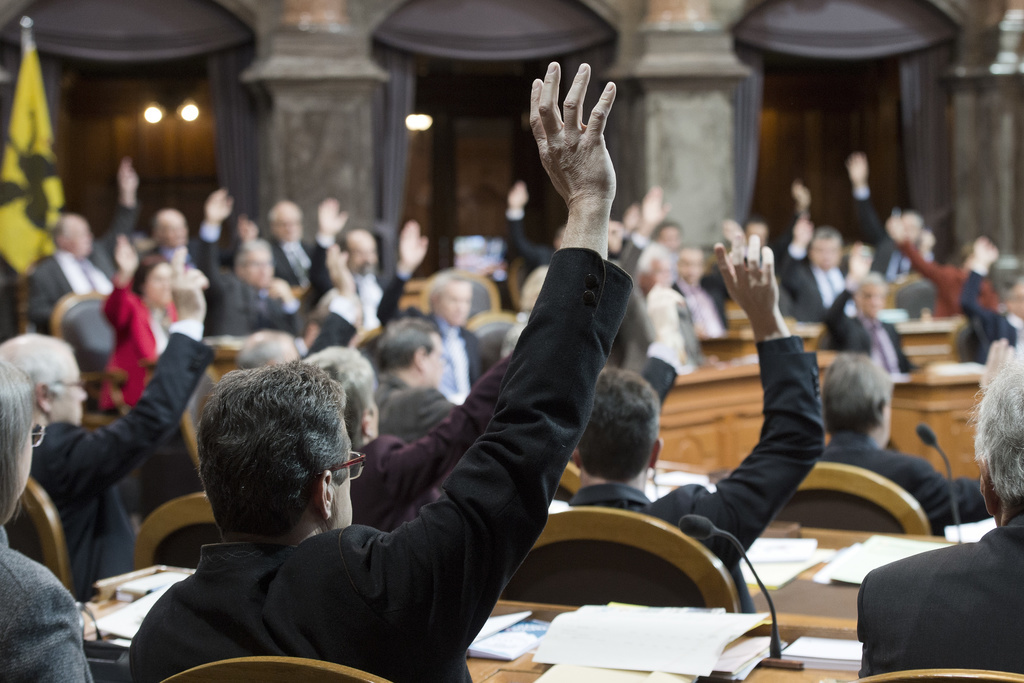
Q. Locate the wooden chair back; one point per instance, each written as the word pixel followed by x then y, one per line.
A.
pixel 569 484
pixel 838 496
pixel 944 676
pixel 38 533
pixel 194 408
pixel 517 272
pixel 490 328
pixel 914 296
pixel 966 342
pixel 174 532
pixel 273 670
pixel 78 319
pixel 485 293
pixel 594 555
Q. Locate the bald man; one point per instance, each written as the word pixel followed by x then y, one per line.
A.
pixel 300 263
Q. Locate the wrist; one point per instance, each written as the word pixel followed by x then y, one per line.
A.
pixel 770 328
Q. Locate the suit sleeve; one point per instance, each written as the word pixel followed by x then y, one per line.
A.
pixel 208 261
pixel 792 439
pixel 336 331
pixel 453 561
pixel 660 375
pixel 534 254
pixel 979 315
pixel 95 461
pixel 840 325
pixel 388 306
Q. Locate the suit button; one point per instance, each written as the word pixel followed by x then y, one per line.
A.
pixel 589 298
pixel 590 281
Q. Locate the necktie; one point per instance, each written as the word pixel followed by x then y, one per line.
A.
pixel 882 349
pixel 87 272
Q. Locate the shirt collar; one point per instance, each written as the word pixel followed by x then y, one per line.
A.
pixel 612 494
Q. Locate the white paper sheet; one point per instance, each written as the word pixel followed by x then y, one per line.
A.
pixel 782 550
pixel 875 552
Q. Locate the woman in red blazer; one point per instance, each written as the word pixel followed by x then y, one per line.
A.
pixel 140 310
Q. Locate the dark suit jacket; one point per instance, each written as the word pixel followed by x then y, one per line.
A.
pixel 748 499
pixel 79 468
pixel 233 305
pixel 801 288
pixel 872 231
pixel 405 605
pixel 849 334
pixel 47 283
pixel 409 412
pixel 399 477
pixel 534 255
pixel 472 351
pixel 40 634
pixel 914 474
pixel 990 324
pixel 319 278
pixel 949 608
pixel 335 331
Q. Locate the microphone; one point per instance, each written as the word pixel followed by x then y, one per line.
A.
pixel 702 528
pixel 928 438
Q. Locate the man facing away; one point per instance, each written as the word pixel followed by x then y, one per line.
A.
pixel 295 577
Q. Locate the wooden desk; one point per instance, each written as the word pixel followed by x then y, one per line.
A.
pixel 738 342
pixel 929 341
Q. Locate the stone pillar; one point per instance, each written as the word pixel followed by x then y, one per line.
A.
pixel 686 72
pixel 317 80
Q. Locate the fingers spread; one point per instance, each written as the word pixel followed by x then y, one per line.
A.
pixel 599 115
pixel 574 103
pixel 548 107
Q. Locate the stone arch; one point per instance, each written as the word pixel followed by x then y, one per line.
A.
pixel 955 11
pixel 382 9
pixel 241 9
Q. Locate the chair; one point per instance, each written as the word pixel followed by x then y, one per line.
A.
pixel 175 531
pixel 517 273
pixel 194 408
pixel 838 496
pixel 39 534
pixel 273 670
pixel 78 319
pixel 485 293
pixel 915 295
pixel 944 676
pixel 569 484
pixel 491 328
pixel 966 342
pixel 597 555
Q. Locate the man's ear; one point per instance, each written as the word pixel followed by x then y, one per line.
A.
pixel 656 451
pixel 576 459
pixel 44 399
pixel 993 505
pixel 322 499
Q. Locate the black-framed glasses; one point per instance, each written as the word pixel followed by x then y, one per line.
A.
pixel 38 432
pixel 354 465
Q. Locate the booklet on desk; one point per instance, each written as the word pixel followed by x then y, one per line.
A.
pixel 512 642
pixel 852 564
pixel 826 653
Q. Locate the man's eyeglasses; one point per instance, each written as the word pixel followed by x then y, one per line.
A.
pixel 38 432
pixel 354 465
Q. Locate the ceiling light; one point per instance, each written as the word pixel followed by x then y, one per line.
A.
pixel 188 110
pixel 154 113
pixel 418 122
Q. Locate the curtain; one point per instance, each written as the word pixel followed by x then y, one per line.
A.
pixel 747 100
pixel 925 138
pixel 236 140
pixel 392 102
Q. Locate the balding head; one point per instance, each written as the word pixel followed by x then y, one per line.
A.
pixel 170 229
pixel 286 222
pixel 73 235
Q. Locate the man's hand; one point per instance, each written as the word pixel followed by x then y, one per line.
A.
pixel 803 232
pixel 127 184
pixel 631 219
pixel 518 196
pixel 187 288
pixel 337 268
pixel 751 284
pixel 653 210
pixel 926 242
pixel 575 156
pixel 984 254
pixel 896 228
pixel 280 289
pixel 999 354
pixel 859 265
pixel 857 168
pixel 247 229
pixel 331 218
pixel 732 231
pixel 412 247
pixel 127 260
pixel 801 196
pixel 663 304
pixel 218 207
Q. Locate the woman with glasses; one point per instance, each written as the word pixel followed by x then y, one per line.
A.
pixel 40 628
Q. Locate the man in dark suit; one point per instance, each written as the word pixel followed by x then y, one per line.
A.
pixel 857 403
pixel 298 263
pixel 79 265
pixel 706 309
pixel 410 361
pixel 865 333
pixel 621 442
pixel 451 298
pixel 250 298
pixel 956 607
pixel 812 278
pixel 991 325
pixel 80 468
pixel 296 578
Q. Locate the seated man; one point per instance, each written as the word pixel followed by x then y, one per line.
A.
pixel 654 269
pixel 993 326
pixel 79 265
pixel 955 607
pixel 812 278
pixel 621 442
pixel 298 263
pixel 266 347
pixel 296 578
pixel 708 313
pixel 410 362
pixel 80 468
pixel 451 298
pixel 865 333
pixel 857 401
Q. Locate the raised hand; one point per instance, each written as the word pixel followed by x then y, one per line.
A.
pixel 631 219
pixel 331 218
pixel 127 183
pixel 127 260
pixel 218 207
pixel 653 210
pixel 857 168
pixel 859 263
pixel 663 304
pixel 337 268
pixel 575 156
pixel 984 254
pixel 247 229
pixel 187 288
pixel 518 196
pixel 803 232
pixel 412 247
pixel 732 231
pixel 751 284
pixel 896 228
pixel 801 196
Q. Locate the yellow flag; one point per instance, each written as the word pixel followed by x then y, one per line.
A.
pixel 31 194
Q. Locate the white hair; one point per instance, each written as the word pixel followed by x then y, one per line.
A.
pixel 999 435
pixel 39 356
pixel 652 253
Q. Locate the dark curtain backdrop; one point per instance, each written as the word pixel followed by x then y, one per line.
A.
pixel 747 101
pixel 393 101
pixel 236 138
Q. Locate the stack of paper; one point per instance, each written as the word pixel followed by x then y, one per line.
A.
pixel 669 639
pixel 508 637
pixel 825 653
pixel 852 564
pixel 971 532
pixel 567 673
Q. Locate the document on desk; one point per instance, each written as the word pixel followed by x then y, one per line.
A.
pixel 670 639
pixel 567 673
pixel 777 574
pixel 125 622
pixel 854 564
